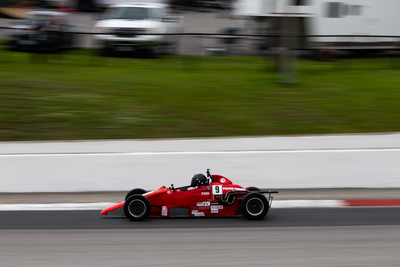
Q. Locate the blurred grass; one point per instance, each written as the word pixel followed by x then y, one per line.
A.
pixel 80 96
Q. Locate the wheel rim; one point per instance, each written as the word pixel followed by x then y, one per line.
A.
pixel 255 206
pixel 137 208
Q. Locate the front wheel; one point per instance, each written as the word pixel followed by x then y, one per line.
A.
pixel 136 191
pixel 137 208
pixel 254 206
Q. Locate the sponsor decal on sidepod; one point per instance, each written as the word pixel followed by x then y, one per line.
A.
pixel 233 189
pixel 164 211
pixel 203 204
pixel 197 213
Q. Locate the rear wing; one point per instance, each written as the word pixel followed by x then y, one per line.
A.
pixel 270 196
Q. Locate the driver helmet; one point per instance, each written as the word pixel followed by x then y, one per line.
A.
pixel 198 179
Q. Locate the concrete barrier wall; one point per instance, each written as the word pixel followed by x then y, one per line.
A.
pixel 329 161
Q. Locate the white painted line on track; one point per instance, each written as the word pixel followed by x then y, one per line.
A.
pixel 276 204
pixel 282 204
pixel 206 152
pixel 55 207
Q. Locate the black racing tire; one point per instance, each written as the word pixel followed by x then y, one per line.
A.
pixel 137 208
pixel 254 206
pixel 253 189
pixel 136 191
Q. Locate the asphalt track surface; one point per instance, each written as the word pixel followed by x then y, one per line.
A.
pixel 314 217
pixel 350 237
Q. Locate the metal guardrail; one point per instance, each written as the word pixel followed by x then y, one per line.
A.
pixel 242 35
pixel 234 44
pixel 238 44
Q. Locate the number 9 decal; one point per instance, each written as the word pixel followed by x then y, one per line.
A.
pixel 217 189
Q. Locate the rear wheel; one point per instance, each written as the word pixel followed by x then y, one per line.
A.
pixel 136 191
pixel 137 208
pixel 253 189
pixel 254 206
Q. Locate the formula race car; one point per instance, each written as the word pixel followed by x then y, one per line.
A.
pixel 210 196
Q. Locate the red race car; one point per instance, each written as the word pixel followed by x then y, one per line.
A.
pixel 210 196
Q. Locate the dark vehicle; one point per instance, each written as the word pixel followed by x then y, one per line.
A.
pixel 42 31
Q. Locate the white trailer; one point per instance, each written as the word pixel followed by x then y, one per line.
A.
pixel 328 17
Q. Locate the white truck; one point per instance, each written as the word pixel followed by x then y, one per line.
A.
pixel 142 27
pixel 327 17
